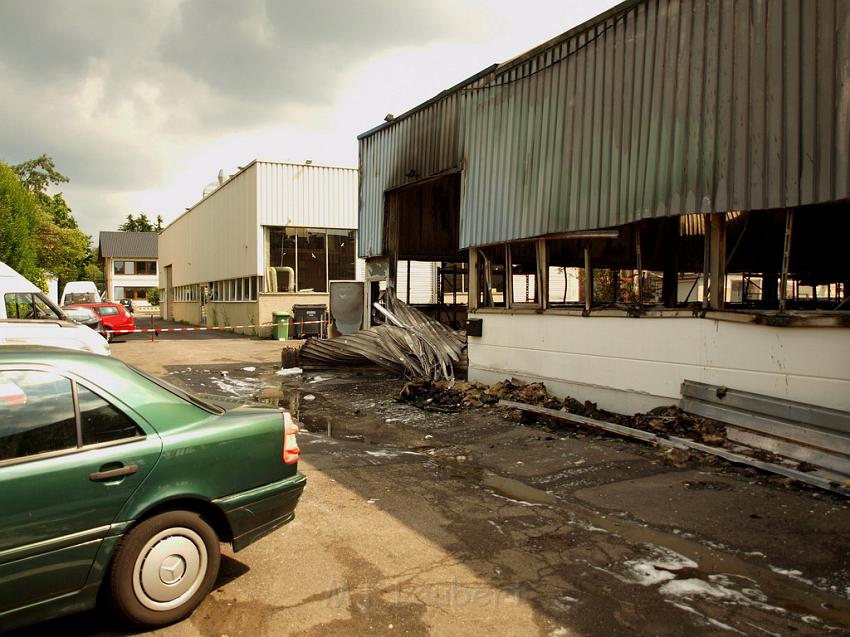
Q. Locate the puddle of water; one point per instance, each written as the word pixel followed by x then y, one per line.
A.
pixel 781 590
pixel 516 490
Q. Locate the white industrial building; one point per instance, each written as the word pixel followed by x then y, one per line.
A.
pixel 271 236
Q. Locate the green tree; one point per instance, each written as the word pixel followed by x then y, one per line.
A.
pixel 153 296
pixel 20 218
pixel 141 224
pixel 61 248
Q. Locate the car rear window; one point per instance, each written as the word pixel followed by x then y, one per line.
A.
pixel 107 310
pixel 213 409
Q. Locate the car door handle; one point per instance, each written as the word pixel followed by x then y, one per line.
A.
pixel 98 476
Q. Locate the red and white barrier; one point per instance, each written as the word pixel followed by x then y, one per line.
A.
pixel 157 330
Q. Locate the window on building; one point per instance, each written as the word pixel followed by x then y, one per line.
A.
pixel 36 414
pixel 146 267
pixel 524 272
pixel 134 267
pixel 491 276
pixel 341 255
pixel 125 292
pixel 312 275
pixel 308 256
pixel 228 290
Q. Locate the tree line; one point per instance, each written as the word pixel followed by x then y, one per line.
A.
pixel 39 236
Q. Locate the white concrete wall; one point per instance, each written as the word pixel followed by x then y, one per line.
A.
pixel 628 365
pixel 219 238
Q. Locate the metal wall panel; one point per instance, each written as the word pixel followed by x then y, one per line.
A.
pixel 306 195
pixel 655 108
pixel 420 144
pixel 218 238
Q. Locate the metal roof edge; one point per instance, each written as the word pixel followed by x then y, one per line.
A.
pixel 617 9
pixel 303 164
pixel 203 199
pixel 614 11
pixel 427 103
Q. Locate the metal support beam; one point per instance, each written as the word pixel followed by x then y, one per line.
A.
pixel 588 281
pixel 786 259
pixel 542 275
pixel 717 260
pixel 706 259
pixel 472 280
pixel 639 257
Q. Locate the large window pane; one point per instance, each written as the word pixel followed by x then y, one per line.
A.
pixel 341 255
pixel 281 256
pixel 36 414
pixel 312 271
pixel 101 422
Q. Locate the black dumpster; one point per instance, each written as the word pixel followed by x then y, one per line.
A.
pixel 309 320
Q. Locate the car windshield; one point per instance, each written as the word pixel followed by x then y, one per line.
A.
pixel 107 310
pixel 29 305
pixel 213 409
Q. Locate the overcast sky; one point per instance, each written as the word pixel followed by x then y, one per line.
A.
pixel 141 103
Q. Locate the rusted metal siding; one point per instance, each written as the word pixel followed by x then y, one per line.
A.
pixel 656 108
pixel 420 144
pixel 306 195
pixel 670 106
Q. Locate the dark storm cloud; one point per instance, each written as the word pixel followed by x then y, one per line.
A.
pixel 267 52
pixel 35 41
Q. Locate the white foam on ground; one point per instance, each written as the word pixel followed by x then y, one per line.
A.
pixel 791 573
pixel 720 587
pixel 241 388
pixel 386 453
pixel 660 566
pixel 249 369
pixel 289 371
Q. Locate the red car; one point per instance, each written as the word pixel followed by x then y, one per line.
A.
pixel 114 317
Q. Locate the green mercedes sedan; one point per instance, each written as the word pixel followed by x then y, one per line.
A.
pixel 117 488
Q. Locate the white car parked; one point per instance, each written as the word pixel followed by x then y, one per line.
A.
pixel 27 316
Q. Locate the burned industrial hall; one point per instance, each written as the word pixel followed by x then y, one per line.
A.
pixel 660 194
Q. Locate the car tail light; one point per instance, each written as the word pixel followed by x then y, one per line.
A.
pixel 291 452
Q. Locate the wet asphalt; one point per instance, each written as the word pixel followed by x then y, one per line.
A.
pixel 422 523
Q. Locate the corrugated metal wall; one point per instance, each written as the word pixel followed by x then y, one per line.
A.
pixel 422 144
pixel 305 195
pixel 661 108
pixel 218 238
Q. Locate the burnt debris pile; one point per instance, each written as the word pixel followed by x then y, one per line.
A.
pixel 449 397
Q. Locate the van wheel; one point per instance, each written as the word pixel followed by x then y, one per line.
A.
pixel 163 569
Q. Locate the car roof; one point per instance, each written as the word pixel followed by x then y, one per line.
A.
pixel 101 304
pixel 114 376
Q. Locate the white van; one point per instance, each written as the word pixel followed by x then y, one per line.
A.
pixel 28 316
pixel 79 292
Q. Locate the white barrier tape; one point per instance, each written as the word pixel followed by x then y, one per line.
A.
pixel 204 329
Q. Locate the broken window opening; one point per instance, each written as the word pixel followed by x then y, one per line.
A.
pixel 524 284
pixel 491 276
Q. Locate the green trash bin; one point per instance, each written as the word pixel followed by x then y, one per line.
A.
pixel 280 331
